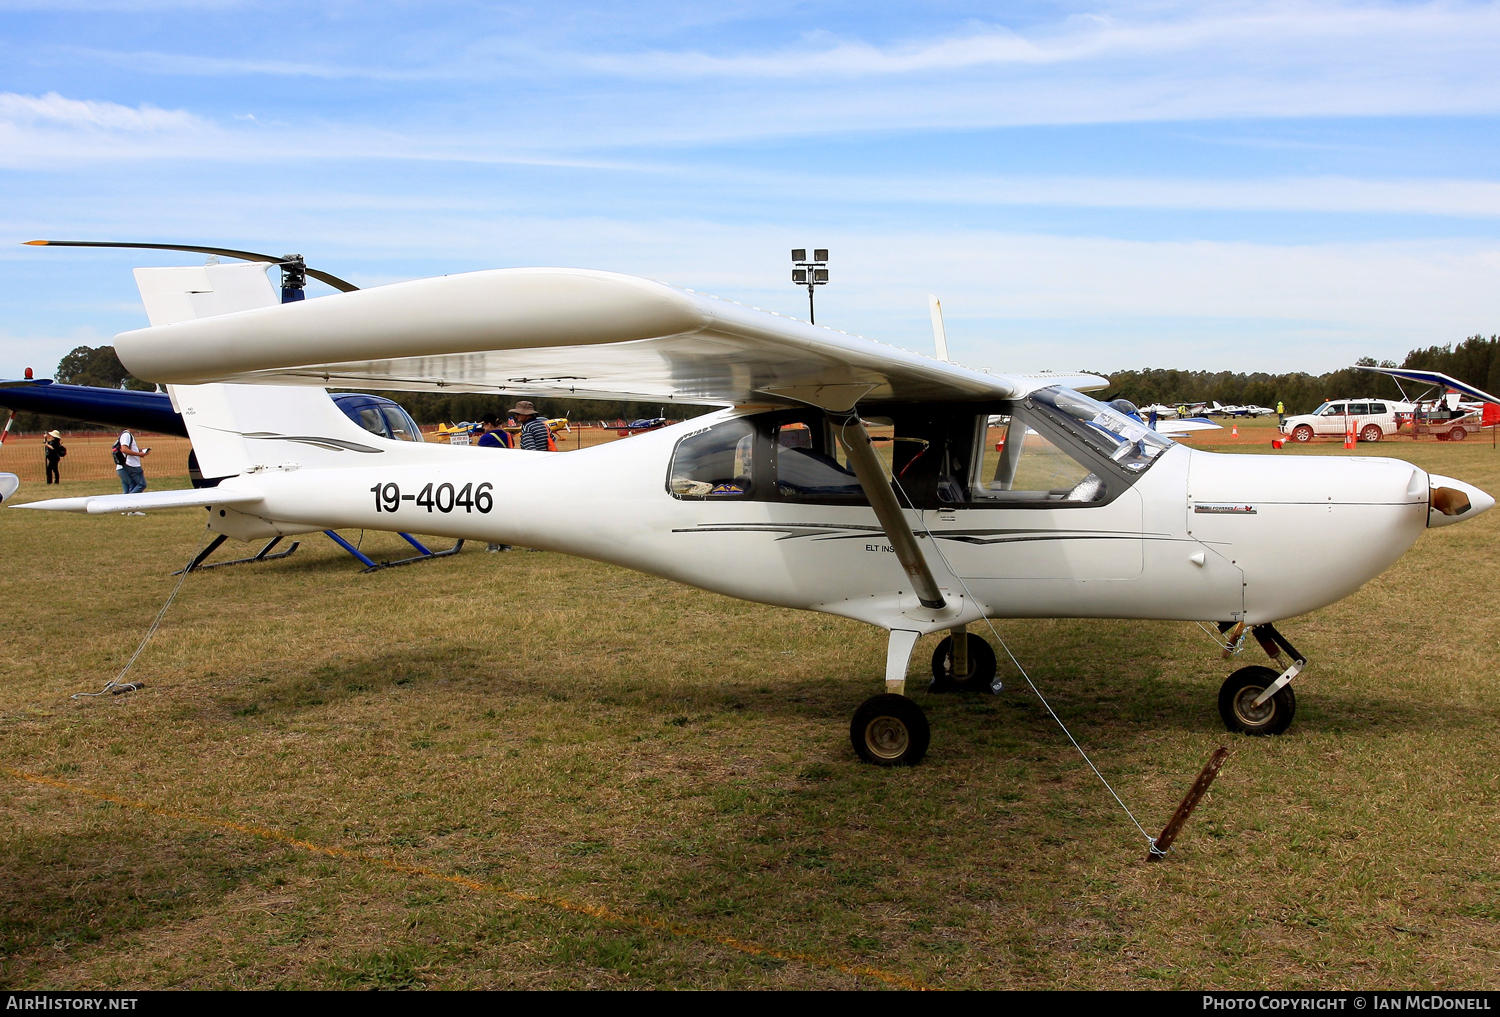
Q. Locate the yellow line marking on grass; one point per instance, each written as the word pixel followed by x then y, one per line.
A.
pixel 603 914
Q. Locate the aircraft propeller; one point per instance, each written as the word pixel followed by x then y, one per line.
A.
pixel 294 270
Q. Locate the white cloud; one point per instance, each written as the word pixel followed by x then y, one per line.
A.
pixel 55 110
pixel 1441 197
pixel 1330 27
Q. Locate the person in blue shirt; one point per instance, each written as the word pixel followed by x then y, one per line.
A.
pixel 493 436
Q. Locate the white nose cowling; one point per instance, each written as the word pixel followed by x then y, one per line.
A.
pixel 1452 501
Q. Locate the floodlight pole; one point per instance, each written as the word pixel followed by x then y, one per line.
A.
pixel 810 272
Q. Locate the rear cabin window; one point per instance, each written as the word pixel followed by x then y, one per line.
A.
pixel 715 464
pixel 1359 409
pixel 1378 408
pixel 811 464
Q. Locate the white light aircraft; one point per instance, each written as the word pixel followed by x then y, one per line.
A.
pixel 841 475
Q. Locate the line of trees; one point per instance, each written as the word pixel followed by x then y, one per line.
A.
pixel 1476 361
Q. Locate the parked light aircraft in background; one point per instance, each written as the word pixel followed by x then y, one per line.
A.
pixel 841 475
pixel 1240 411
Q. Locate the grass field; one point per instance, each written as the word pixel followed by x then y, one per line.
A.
pixel 525 770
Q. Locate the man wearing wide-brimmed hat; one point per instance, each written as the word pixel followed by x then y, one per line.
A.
pixel 53 451
pixel 534 434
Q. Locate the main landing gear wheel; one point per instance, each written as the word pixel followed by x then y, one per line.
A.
pixel 1371 432
pixel 981 673
pixel 1302 433
pixel 1237 697
pixel 890 730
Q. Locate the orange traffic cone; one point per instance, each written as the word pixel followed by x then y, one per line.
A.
pixel 1349 435
pixel 1234 431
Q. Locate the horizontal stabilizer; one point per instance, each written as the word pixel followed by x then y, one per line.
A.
pixel 104 504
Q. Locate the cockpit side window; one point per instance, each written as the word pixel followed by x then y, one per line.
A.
pixel 370 420
pixel 1018 464
pixel 403 428
pixel 715 464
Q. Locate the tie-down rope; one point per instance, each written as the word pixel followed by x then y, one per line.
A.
pixel 117 684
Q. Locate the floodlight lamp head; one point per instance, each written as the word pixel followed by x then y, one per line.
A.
pixel 799 254
pixel 799 276
pixel 820 276
pixel 820 254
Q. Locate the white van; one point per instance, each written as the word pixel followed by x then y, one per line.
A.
pixel 1373 419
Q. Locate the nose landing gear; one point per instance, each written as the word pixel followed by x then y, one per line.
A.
pixel 1237 702
pixel 1255 700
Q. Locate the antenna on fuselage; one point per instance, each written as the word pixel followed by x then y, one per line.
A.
pixel 939 336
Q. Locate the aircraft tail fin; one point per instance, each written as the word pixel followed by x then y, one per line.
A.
pixel 172 295
pixel 239 429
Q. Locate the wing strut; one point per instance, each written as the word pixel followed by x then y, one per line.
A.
pixel 851 432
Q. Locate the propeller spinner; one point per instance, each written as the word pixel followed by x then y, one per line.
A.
pixel 294 270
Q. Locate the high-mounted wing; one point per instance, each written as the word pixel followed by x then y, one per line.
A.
pixel 560 332
pixel 1436 378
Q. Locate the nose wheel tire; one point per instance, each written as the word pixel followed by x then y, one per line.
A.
pixel 1371 432
pixel 890 730
pixel 1237 698
pixel 1302 433
pixel 981 673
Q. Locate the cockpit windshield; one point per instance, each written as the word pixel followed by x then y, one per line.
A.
pixel 1128 442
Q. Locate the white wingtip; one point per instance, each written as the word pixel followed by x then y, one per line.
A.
pixel 58 505
pixel 939 335
pixel 8 484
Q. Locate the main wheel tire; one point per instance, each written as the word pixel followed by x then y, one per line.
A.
pixel 1302 433
pixel 1238 694
pixel 1457 434
pixel 1371 432
pixel 890 730
pixel 981 667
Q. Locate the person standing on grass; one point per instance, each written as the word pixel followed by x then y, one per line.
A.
pixel 53 450
pixel 535 435
pixel 1280 412
pixel 494 437
pixel 128 464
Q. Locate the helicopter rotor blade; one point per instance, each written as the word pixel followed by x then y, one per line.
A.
pixel 321 276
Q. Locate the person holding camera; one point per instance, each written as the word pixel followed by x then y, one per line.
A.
pixel 53 450
pixel 128 464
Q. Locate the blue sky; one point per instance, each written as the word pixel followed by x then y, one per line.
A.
pixel 1253 186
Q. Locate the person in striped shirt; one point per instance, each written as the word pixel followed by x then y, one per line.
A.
pixel 535 436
